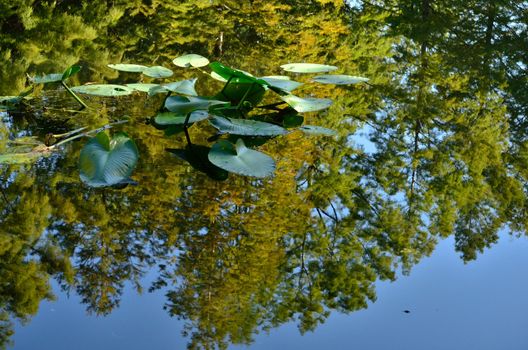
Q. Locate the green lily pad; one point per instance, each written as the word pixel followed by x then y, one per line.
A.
pixel 191 60
pixel 8 102
pixel 246 127
pixel 157 72
pixel 185 87
pixel 317 130
pixel 337 79
pixel 307 104
pixel 143 87
pixel 283 84
pixel 103 89
pixel 308 68
pixel 236 75
pixel 70 71
pixel 241 160
pixel 250 92
pixel 171 118
pixel 48 78
pixel 292 120
pixel 128 67
pixel 217 76
pixel 187 104
pixel 197 157
pixel 106 162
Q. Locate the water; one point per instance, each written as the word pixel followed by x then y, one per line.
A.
pixel 429 159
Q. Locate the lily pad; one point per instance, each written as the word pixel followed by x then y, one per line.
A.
pixel 283 84
pixel 236 75
pixel 191 60
pixel 128 67
pixel 48 78
pixel 103 89
pixel 185 87
pixel 308 68
pixel 197 157
pixel 307 104
pixel 23 158
pixel 70 71
pixel 246 127
pixel 241 160
pixel 158 72
pixel 339 79
pixel 106 162
pixel 171 118
pixel 187 104
pixel 317 130
pixel 217 76
pixel 143 87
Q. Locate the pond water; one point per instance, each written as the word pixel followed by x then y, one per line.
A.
pixel 403 228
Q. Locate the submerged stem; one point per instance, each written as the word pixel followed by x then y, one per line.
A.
pixel 73 95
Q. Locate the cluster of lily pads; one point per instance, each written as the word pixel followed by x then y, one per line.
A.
pixel 242 124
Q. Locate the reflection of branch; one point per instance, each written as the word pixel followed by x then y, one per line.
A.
pixel 302 261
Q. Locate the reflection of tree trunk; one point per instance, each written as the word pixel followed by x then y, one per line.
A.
pixel 488 39
pixel 425 12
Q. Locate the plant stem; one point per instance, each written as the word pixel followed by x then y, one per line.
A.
pixel 187 117
pixel 108 126
pixel 74 95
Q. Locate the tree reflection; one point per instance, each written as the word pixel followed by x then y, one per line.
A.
pixel 444 111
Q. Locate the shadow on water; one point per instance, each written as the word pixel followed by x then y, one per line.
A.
pixel 445 106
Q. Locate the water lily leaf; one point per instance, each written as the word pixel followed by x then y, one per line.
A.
pixel 292 120
pixel 171 118
pixel 103 89
pixel 48 78
pixel 307 104
pixel 8 102
pixel 241 160
pixel 217 76
pixel 246 127
pixel 106 162
pixel 22 158
pixel 308 68
pixel 317 130
pixel 283 84
pixel 187 104
pixel 250 92
pixel 185 87
pixel 339 79
pixel 191 60
pixel 128 67
pixel 197 157
pixel 236 75
pixel 70 71
pixel 143 87
pixel 157 72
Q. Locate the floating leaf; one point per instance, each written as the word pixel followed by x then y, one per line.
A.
pixel 308 68
pixel 103 89
pixel 339 79
pixel 105 162
pixel 283 84
pixel 184 105
pixel 246 127
pixel 240 159
pixel 158 72
pixel 292 120
pixel 143 87
pixel 171 118
pixel 23 158
pixel 128 67
pixel 307 104
pixel 236 75
pixel 197 157
pixel 8 102
pixel 70 71
pixel 185 87
pixel 48 78
pixel 235 92
pixel 191 60
pixel 217 76
pixel 317 130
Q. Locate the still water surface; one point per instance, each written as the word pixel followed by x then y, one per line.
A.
pixel 431 159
